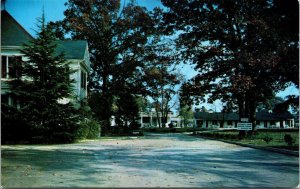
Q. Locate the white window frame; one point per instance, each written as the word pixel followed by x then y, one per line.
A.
pixel 7 77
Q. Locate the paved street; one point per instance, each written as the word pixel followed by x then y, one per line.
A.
pixel 156 160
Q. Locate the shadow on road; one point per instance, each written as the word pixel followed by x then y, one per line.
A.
pixel 199 166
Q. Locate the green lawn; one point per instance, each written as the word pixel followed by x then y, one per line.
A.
pixel 171 130
pixel 277 138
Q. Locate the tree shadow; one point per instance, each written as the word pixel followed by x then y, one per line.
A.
pixel 237 167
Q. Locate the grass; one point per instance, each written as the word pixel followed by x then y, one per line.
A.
pixel 171 130
pixel 276 138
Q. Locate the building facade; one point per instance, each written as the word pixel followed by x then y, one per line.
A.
pixel 153 118
pixel 230 120
pixel 13 36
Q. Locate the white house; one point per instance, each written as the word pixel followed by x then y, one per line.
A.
pixel 152 119
pixel 230 120
pixel 13 36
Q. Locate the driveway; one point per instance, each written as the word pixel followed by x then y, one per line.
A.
pixel 155 160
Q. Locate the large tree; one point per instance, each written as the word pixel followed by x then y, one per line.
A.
pixel 116 35
pixel 44 92
pixel 238 47
pixel 161 76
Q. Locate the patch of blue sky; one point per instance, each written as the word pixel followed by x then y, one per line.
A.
pixel 26 12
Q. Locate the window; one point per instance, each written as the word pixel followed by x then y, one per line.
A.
pixel 229 122
pixel 199 123
pixel 3 66
pixel 287 123
pixel 11 66
pixel 83 80
pixel 146 119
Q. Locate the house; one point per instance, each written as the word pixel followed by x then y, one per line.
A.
pixel 152 119
pixel 230 120
pixel 13 36
pixel 215 120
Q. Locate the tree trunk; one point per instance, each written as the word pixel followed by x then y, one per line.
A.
pixel 252 112
pixel 242 112
pixel 157 117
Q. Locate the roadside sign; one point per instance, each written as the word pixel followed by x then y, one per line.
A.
pixel 244 119
pixel 244 126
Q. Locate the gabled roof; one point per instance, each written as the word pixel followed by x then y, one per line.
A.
pixel 260 116
pixel 73 49
pixel 12 33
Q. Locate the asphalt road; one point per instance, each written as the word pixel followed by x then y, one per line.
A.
pixel 156 160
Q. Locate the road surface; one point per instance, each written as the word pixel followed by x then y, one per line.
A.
pixel 155 160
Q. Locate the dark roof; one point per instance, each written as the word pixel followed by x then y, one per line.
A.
pixel 12 33
pixel 264 116
pixel 260 116
pixel 216 116
pixel 73 49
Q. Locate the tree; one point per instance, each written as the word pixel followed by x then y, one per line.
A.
pixel 116 35
pixel 237 47
pixel 44 83
pixel 186 114
pixel 161 77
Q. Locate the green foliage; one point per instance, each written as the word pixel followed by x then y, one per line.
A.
pixel 127 111
pixel 289 139
pixel 45 81
pixel 89 129
pixel 267 139
pixel 13 129
pixel 101 106
pixel 186 113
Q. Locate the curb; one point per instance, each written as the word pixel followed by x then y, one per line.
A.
pixel 276 150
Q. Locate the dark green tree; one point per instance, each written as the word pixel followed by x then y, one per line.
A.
pixel 44 92
pixel 242 52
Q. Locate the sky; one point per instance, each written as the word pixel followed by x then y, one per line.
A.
pixel 27 11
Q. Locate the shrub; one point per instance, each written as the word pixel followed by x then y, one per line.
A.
pixel 89 129
pixel 289 139
pixel 267 139
pixel 173 130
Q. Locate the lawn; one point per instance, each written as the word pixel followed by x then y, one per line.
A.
pixel 276 138
pixel 171 130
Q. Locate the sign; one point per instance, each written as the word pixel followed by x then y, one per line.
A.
pixel 244 126
pixel 244 119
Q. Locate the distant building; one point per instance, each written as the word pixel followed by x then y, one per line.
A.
pixel 13 36
pixel 230 120
pixel 150 119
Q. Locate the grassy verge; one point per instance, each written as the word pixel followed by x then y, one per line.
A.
pixel 262 138
pixel 171 130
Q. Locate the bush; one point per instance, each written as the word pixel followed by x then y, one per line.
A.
pixel 89 129
pixel 289 139
pixel 173 130
pixel 267 139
